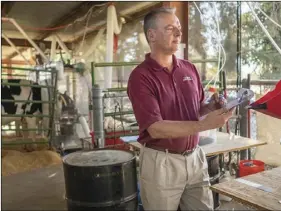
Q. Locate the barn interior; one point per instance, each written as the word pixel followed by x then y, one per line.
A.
pixel 80 55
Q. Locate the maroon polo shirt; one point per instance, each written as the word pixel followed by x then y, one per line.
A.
pixel 157 94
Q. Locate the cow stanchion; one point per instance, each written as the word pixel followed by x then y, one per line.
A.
pixel 30 102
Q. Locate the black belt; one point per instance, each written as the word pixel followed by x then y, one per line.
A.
pixel 185 153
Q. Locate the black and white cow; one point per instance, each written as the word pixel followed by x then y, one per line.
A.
pixel 34 94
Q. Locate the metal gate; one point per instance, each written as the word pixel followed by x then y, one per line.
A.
pixel 49 73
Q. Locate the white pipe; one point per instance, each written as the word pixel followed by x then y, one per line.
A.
pixel 62 45
pixel 60 69
pixel 27 37
pixel 53 48
pixel 112 27
pixel 93 46
pixel 85 126
pixel 13 46
pixel 219 40
pixel 264 29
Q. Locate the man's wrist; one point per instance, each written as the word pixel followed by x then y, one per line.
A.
pixel 205 109
pixel 202 125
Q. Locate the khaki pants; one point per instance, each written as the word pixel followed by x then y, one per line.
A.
pixel 168 180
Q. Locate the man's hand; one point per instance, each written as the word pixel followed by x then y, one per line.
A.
pixel 216 102
pixel 217 118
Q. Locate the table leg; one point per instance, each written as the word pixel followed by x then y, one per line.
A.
pixel 237 165
pixel 249 154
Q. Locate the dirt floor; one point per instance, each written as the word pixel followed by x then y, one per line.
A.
pixel 44 189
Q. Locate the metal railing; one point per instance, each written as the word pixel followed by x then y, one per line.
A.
pixel 107 92
pixel 53 90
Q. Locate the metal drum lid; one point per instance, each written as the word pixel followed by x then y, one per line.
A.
pixel 103 157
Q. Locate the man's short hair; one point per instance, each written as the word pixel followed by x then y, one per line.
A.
pixel 150 18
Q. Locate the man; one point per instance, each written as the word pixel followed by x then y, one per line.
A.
pixel 167 99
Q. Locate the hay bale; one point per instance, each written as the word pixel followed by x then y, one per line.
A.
pixel 21 147
pixel 15 162
pixel 10 153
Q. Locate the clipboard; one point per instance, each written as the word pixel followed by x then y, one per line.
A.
pixel 243 95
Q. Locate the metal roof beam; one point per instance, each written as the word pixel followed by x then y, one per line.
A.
pixel 61 21
pixel 68 18
pixel 24 43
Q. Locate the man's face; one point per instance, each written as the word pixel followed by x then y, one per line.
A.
pixel 167 34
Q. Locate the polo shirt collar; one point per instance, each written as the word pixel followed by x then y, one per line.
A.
pixel 154 65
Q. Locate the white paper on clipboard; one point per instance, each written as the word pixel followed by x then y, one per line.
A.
pixel 243 95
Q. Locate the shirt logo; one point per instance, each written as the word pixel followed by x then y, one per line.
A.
pixel 187 78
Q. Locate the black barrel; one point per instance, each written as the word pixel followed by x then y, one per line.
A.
pixel 214 173
pixel 102 179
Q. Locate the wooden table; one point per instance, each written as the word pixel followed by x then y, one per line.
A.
pixel 225 143
pixel 266 197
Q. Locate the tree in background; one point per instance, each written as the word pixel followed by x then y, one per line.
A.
pixel 261 52
pixel 257 49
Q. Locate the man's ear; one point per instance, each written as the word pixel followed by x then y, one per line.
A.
pixel 151 35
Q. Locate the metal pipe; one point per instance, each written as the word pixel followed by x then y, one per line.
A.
pixel 93 72
pixel 14 47
pixel 62 45
pixel 27 37
pixel 131 128
pixel 29 85
pixel 21 143
pixel 26 101
pixel 27 69
pixel 115 90
pixel 243 121
pixel 98 116
pixel 23 115
pixel 23 129
pixel 14 75
pixel 91 121
pixel 115 96
pixel 118 113
pixel 256 82
pixel 59 67
pixel 115 64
